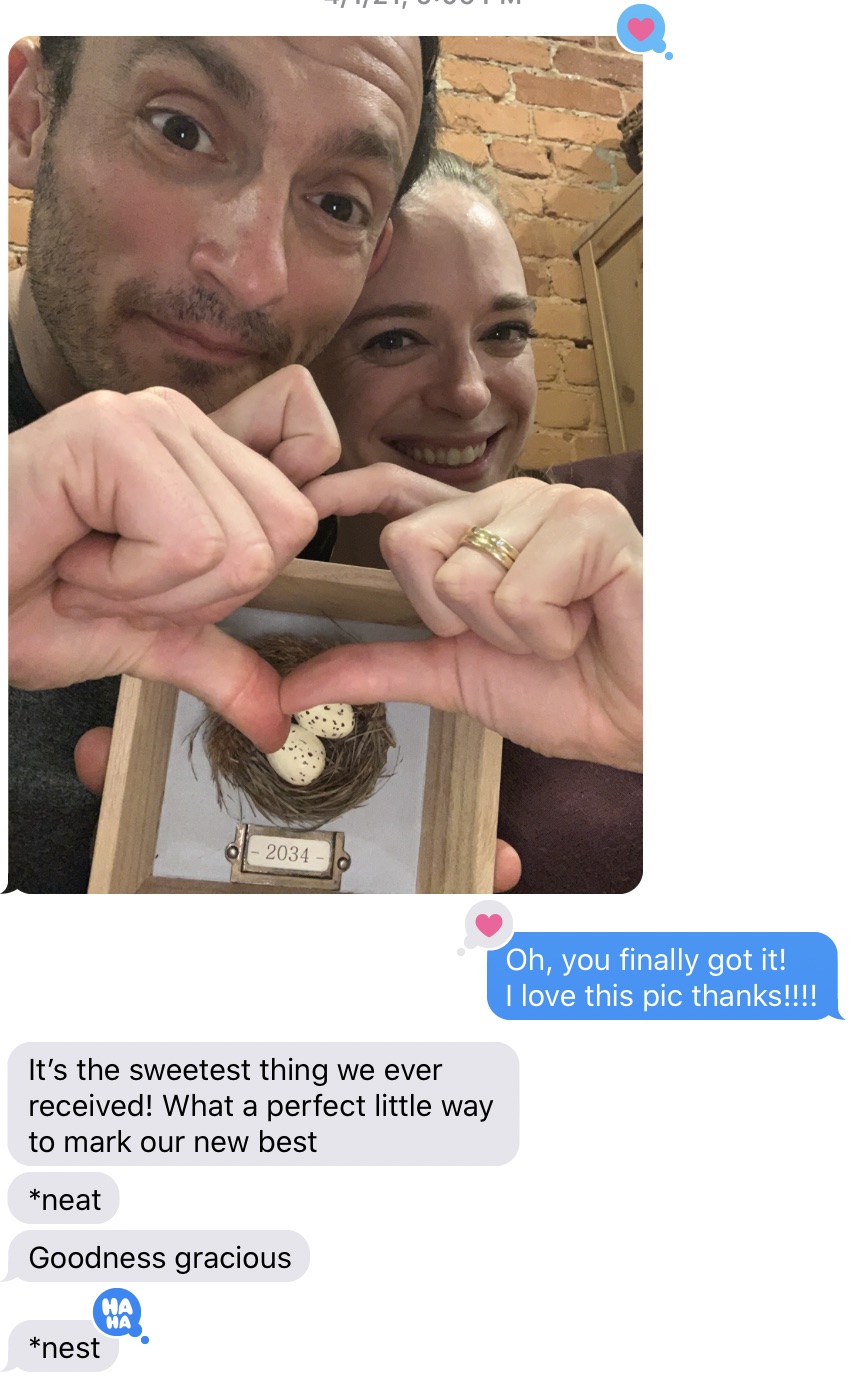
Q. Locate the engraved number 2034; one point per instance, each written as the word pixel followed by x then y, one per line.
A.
pixel 289 854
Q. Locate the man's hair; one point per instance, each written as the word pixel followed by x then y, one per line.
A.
pixel 60 59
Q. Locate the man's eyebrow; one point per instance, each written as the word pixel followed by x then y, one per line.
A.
pixel 216 65
pixel 365 144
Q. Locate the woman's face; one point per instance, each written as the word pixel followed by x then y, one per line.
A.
pixel 433 369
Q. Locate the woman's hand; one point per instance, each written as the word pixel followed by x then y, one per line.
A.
pixel 548 653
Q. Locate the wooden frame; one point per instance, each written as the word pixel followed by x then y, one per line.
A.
pixel 611 257
pixel 460 806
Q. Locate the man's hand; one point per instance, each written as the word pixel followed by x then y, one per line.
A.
pixel 548 654
pixel 136 522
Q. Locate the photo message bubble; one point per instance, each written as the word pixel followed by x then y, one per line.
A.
pixel 51 1198
pixel 664 975
pixel 59 1347
pixel 330 1104
pixel 158 1256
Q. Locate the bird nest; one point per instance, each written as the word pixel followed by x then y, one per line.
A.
pixel 355 766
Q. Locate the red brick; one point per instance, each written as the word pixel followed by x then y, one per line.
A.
pixel 630 96
pixel 546 360
pixel 560 319
pixel 589 130
pixel 545 450
pixel 546 239
pixel 470 147
pixel 625 71
pixel 562 408
pixel 586 41
pixel 624 173
pixel 579 365
pixel 594 165
pixel 566 279
pixel 480 77
pixel 567 93
pixel 517 52
pixel 519 194
pixel 589 445
pixel 578 203
pixel 477 113
pixel 19 220
pixel 537 277
pixel 20 192
pixel 528 160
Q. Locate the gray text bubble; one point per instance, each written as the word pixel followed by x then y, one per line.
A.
pixel 158 1256
pixel 61 1347
pixel 67 1198
pixel 298 1104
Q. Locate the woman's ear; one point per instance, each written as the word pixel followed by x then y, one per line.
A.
pixel 381 248
pixel 28 112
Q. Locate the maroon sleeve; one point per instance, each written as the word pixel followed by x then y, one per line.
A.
pixel 577 826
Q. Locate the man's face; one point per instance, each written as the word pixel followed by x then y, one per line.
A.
pixel 207 209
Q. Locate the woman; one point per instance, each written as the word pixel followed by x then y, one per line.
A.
pixel 433 371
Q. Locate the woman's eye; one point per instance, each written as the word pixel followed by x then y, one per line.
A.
pixel 344 209
pixel 514 333
pixel 182 131
pixel 391 341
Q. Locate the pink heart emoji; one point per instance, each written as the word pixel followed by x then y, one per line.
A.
pixel 640 28
pixel 488 924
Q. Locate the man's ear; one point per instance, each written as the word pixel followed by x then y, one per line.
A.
pixel 28 112
pixel 381 248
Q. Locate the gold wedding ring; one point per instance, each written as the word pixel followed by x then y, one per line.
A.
pixel 485 541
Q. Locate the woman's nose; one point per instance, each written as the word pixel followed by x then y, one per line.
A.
pixel 458 386
pixel 240 248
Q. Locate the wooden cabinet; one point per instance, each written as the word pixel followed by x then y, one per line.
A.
pixel 611 258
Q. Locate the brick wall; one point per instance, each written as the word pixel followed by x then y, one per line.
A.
pixel 542 114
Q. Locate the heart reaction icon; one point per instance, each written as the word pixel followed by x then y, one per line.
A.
pixel 640 29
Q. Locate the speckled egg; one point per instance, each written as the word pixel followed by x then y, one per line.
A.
pixel 333 721
pixel 301 759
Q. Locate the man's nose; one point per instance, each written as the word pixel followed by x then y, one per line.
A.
pixel 240 248
pixel 458 385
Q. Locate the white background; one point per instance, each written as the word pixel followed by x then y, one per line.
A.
pixel 678 1210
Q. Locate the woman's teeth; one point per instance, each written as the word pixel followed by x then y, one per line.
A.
pixel 442 456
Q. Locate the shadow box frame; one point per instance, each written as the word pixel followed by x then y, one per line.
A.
pixel 460 804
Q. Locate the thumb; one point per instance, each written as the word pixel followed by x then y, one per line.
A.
pixel 410 671
pixel 90 758
pixel 230 677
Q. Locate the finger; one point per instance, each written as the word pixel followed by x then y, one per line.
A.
pixel 508 867
pixel 229 677
pixel 379 489
pixel 411 671
pixel 420 548
pixel 284 418
pixel 90 758
pixel 255 523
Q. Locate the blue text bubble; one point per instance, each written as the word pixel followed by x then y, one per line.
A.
pixel 664 975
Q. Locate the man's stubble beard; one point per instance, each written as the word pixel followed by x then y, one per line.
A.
pixel 62 270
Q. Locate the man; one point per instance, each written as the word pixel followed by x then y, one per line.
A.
pixel 205 211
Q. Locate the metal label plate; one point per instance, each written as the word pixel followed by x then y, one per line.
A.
pixel 287 859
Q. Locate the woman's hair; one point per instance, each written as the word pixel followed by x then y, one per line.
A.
pixel 445 167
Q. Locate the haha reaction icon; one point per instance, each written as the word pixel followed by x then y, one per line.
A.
pixel 116 1312
pixel 640 29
